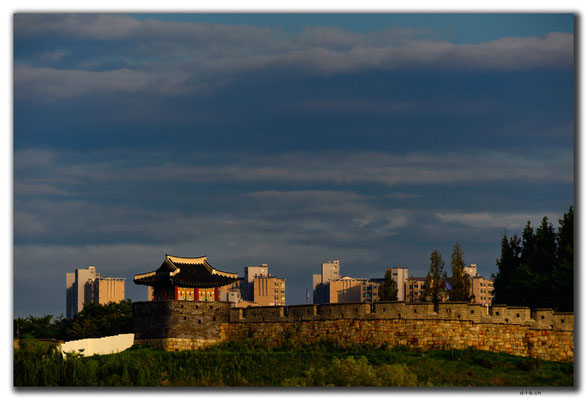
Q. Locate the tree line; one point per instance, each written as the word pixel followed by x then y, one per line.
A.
pixel 95 320
pixel 535 270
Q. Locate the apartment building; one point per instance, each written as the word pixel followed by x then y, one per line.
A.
pixel 400 276
pixel 260 287
pixel 345 290
pixel 104 290
pixel 269 291
pixel 370 290
pixel 481 288
pixel 85 286
pixel 329 270
pixel 415 289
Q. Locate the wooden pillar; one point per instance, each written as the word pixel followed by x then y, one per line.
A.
pixel 196 294
pixel 216 294
pixel 176 292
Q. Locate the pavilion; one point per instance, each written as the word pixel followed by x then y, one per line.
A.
pixel 181 278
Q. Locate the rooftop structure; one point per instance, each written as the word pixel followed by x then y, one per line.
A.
pixel 183 278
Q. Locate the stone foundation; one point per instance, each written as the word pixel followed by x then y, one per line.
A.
pixel 177 344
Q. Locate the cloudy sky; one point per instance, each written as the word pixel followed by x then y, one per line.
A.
pixel 282 139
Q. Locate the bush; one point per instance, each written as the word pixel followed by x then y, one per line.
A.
pixel 396 375
pixel 355 372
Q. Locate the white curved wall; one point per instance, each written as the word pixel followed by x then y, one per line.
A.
pixel 104 345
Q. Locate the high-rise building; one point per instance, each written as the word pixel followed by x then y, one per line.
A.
pixel 329 287
pixel 104 290
pixel 400 276
pixel 251 273
pixel 329 270
pixel 262 288
pixel 85 286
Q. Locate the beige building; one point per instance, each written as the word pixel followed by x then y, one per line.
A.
pixel 346 290
pixel 104 290
pixel 85 286
pixel 481 288
pixel 414 289
pixel 370 290
pixel 260 287
pixel 269 291
pixel 400 276
pixel 471 270
pixel 232 292
pixel 329 270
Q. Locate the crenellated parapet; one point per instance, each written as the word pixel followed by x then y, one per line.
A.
pixel 460 311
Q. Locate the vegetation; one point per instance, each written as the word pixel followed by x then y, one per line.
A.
pixel 388 290
pixel 244 364
pixel 95 320
pixel 460 281
pixel 536 270
pixel 435 279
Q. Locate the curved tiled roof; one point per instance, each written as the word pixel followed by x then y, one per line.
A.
pixel 187 272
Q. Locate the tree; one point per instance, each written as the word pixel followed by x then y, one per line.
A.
pixel 388 290
pixel 545 250
pixel 537 271
pixel 528 245
pixel 506 265
pixel 435 279
pixel 95 320
pixel 459 281
pixel 563 274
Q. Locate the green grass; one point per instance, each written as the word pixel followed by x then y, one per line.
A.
pixel 244 364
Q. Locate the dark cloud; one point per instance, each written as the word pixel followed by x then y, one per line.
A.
pixel 135 138
pixel 176 58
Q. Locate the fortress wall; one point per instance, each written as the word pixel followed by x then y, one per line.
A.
pixel 424 334
pixel 344 311
pixel 181 325
pixel 305 312
pixel 402 309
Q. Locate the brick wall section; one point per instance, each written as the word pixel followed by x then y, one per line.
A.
pixel 181 325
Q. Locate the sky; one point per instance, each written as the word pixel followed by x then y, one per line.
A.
pixel 282 139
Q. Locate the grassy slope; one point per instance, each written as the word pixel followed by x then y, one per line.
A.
pixel 242 364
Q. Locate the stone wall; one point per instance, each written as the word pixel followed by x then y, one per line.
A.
pixel 542 333
pixel 179 319
pixel 422 334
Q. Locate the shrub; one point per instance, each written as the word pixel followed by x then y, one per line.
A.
pixel 396 375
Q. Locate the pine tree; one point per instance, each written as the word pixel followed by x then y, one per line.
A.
pixel 563 274
pixel 528 245
pixel 509 261
pixel 460 281
pixel 435 279
pixel 388 290
pixel 545 250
